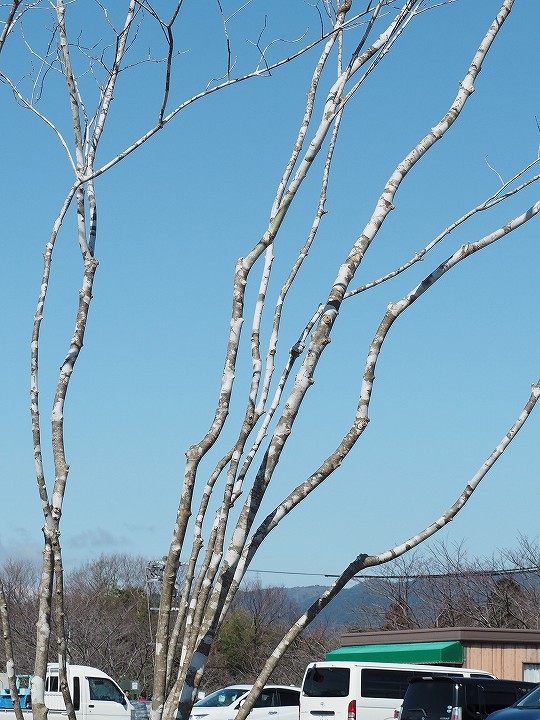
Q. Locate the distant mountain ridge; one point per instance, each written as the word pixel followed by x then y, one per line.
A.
pixel 350 608
pixel 359 606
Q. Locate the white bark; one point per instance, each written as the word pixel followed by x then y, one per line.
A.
pixel 8 651
pixel 217 564
pixel 364 561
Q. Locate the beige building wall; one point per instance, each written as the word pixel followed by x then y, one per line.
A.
pixel 505 661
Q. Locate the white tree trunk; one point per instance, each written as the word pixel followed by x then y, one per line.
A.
pixel 354 42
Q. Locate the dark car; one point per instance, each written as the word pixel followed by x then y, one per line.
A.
pixel 445 697
pixel 526 708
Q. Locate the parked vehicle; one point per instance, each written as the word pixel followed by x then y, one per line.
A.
pixel 276 702
pixel 141 709
pixel 451 698
pixel 95 696
pixel 341 690
pixel 526 708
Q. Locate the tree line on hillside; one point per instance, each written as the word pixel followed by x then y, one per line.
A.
pixel 111 619
pixel 448 588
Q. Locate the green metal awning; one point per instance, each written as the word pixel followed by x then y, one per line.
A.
pixel 431 653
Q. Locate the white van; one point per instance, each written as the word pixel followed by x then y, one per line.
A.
pixel 342 690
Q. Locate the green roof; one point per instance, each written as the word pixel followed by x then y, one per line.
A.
pixel 431 653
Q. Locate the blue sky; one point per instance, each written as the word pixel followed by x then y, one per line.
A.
pixel 173 219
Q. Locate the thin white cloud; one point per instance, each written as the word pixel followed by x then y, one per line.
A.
pixel 98 538
pixel 19 545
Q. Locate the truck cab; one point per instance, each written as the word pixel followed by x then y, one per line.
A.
pixel 95 695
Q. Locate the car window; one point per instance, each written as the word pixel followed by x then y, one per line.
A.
pixel 288 697
pixel 221 698
pixel 497 699
pixel 472 701
pixel 266 699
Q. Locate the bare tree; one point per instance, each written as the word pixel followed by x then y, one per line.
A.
pixel 397 588
pixel 352 43
pixel 256 621
pixel 446 587
pixel 8 652
pixel 20 583
pixel 107 616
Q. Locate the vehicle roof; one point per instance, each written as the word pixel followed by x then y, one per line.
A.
pixel 397 666
pixel 84 670
pixel 513 711
pixel 240 686
pixel 468 680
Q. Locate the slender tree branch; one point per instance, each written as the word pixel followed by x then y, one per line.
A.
pixel 365 560
pixel 8 652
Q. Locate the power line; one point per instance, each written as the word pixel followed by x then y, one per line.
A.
pixel 288 572
pixel 420 576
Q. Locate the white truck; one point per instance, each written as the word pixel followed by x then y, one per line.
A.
pixel 95 696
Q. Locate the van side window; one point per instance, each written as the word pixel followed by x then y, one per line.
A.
pixel 76 693
pixel 52 684
pixel 327 682
pixel 382 683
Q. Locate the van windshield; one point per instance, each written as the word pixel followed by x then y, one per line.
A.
pixel 327 682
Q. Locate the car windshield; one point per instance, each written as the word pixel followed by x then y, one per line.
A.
pixel 221 698
pixel 531 700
